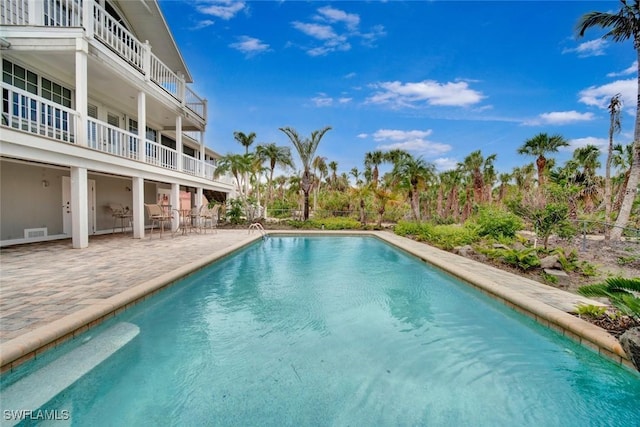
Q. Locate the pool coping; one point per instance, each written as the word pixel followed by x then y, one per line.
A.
pixel 31 344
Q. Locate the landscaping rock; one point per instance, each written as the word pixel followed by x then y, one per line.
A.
pixel 499 246
pixel 519 246
pixel 630 342
pixel 563 279
pixel 550 261
pixel 465 251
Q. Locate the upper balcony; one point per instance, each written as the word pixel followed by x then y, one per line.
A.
pixel 110 33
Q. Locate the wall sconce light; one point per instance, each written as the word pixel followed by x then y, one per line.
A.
pixel 45 183
pixel 127 188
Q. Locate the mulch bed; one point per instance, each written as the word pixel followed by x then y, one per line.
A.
pixel 615 326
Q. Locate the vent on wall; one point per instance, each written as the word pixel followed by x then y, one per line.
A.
pixel 34 233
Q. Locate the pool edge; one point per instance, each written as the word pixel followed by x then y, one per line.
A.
pixel 23 348
pixel 28 346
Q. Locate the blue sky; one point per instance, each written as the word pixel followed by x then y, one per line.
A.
pixel 439 79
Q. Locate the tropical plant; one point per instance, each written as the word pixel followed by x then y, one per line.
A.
pixel 238 165
pixel 539 146
pixel 591 310
pixel 372 160
pixel 276 156
pixel 306 148
pixel 524 259
pixel 622 25
pixel 413 174
pixel 620 292
pixel 615 107
pixel 497 223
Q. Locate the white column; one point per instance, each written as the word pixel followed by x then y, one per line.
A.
pixel 146 61
pixel 137 189
pixel 87 18
pixel 79 208
pixel 199 196
pixel 202 156
pixel 142 125
pixel 175 204
pixel 36 12
pixel 81 92
pixel 179 142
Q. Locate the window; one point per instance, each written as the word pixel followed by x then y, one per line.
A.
pixel 92 111
pixel 19 77
pixel 56 93
pixel 151 134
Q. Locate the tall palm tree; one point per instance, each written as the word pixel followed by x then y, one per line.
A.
pixel 244 139
pixel 539 146
pixel 239 165
pixel 319 164
pixel 615 107
pixel 474 164
pixel 306 149
pixel 373 159
pixel 622 26
pixel 587 158
pixel 621 159
pixel 413 173
pixel 333 167
pixel 504 178
pixel 276 156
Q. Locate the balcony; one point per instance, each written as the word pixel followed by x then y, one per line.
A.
pixel 24 111
pixel 110 33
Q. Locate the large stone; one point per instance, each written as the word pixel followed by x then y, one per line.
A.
pixel 550 261
pixel 465 251
pixel 562 279
pixel 630 342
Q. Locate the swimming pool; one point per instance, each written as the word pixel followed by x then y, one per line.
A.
pixel 329 331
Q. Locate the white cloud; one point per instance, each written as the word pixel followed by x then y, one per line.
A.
pixel 335 28
pixel 350 75
pixel 445 163
pixel 344 100
pixel 322 100
pixel 223 9
pixel 600 96
pixel 249 45
pixel 203 24
pixel 362 135
pixel 336 15
pixel 400 94
pixel 583 142
pixel 590 48
pixel 560 118
pixel 633 69
pixel 413 141
pixel 320 32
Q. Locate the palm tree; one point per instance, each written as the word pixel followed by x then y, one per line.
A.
pixel 540 145
pixel 621 160
pixel 236 164
pixel 622 26
pixel 587 158
pixel 474 164
pixel 372 160
pixel 306 149
pixel 615 107
pixel 504 178
pixel 244 139
pixel 319 164
pixel 413 174
pixel 333 167
pixel 277 156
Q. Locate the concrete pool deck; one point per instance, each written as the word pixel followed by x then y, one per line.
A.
pixel 51 292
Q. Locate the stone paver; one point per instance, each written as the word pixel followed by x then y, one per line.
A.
pixel 43 282
pixel 48 290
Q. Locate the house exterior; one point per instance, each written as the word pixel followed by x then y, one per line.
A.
pixel 96 111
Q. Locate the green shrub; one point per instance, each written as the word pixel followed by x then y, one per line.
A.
pixel 498 224
pixel 407 228
pixel 327 224
pixel 620 292
pixel 449 236
pixel 591 310
pixel 549 278
pixel 524 259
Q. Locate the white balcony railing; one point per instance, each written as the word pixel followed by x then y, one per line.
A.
pixel 191 165
pixel 117 37
pixel 159 155
pixel 69 13
pixel 103 137
pixel 30 113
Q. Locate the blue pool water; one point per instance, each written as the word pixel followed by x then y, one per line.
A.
pixel 331 331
